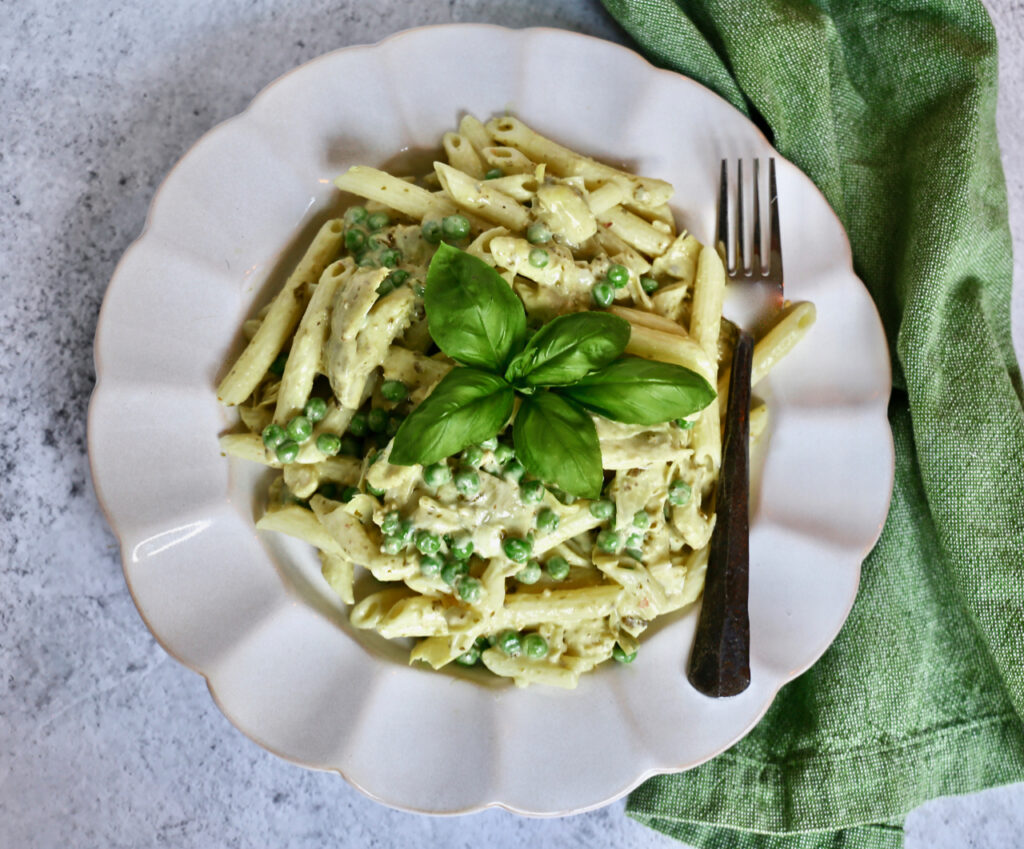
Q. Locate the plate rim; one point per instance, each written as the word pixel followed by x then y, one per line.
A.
pixel 119 533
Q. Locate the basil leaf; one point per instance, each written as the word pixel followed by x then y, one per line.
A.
pixel 643 392
pixel 472 313
pixel 569 347
pixel 466 407
pixel 557 442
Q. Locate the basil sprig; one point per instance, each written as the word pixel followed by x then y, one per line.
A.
pixel 573 364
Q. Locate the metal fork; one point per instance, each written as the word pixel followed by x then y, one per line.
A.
pixel 720 661
pixel 733 247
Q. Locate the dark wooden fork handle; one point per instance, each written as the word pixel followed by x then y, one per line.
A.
pixel 720 663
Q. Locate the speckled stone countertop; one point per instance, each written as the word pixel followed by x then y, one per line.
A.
pixel 104 740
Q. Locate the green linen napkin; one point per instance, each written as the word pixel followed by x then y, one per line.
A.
pixel 889 107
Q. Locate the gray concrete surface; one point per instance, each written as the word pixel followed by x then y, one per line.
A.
pixel 105 741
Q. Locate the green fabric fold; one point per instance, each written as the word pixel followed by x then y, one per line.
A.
pixel 890 108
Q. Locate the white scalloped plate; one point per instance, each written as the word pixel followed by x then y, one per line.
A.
pixel 251 613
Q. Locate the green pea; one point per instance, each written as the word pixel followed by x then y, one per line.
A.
pixel 299 429
pixel 636 553
pixel 391 523
pixel 641 519
pixel 355 241
pixel 367 260
pixel 531 492
pixel 389 259
pixel 419 290
pixel 392 545
pixel 277 367
pixel 563 496
pixel 609 541
pixel 315 409
pixel 430 565
pixel 378 220
pixel 473 455
pixel 547 520
pixel 649 285
pixel 617 275
pixel 603 294
pixel 679 492
pixel 348 493
pixel 350 447
pixel 394 390
pixel 287 451
pixel 394 423
pixel 509 643
pixel 357 427
pixel 398 276
pixel 490 444
pixel 535 646
pixel 493 174
pixel 470 590
pixel 467 482
pixel 514 470
pixel 538 257
pixel 469 658
pixel 538 234
pixel 517 550
pixel 431 232
pixel 273 435
pixel 503 453
pixel 455 226
pixel 452 571
pixel 373 243
pixel 685 424
pixel 428 543
pixel 328 443
pixel 406 530
pixel 529 574
pixel 355 215
pixel 461 547
pixel 436 474
pixel 386 287
pixel 621 655
pixel 602 509
pixel 635 541
pixel 557 567
pixel 377 420
pixel 376 493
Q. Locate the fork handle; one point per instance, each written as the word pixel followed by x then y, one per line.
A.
pixel 720 662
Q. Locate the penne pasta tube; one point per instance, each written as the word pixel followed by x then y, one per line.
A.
pixel 397 194
pixel 635 232
pixel 339 573
pixel 670 348
pixel 648 319
pixel 462 155
pixel 792 325
pixel 479 197
pixel 280 320
pixel 308 343
pixel 475 132
pixel 509 160
pixel 299 522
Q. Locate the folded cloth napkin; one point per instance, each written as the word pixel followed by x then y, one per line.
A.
pixel 889 107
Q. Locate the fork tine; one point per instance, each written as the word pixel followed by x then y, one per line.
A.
pixel 741 253
pixel 775 244
pixel 756 266
pixel 722 236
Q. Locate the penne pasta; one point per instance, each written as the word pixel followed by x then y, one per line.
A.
pixel 474 560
